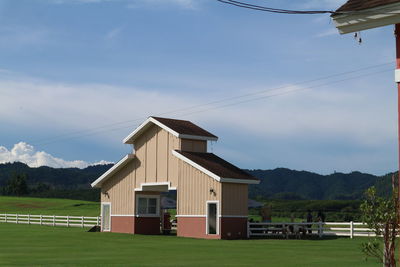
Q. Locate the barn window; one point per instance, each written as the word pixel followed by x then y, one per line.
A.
pixel 148 205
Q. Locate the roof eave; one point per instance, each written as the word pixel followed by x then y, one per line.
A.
pixel 239 181
pixel 197 137
pixel 99 181
pixel 348 22
pixel 211 174
pixel 132 136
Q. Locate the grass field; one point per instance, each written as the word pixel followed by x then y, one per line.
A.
pixel 56 206
pixel 48 206
pixel 33 245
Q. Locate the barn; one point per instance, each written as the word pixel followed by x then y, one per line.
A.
pixel 171 154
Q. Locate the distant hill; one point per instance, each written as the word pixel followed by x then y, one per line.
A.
pixel 66 178
pixel 288 184
pixel 279 183
pixel 72 183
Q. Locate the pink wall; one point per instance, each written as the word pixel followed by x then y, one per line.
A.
pixel 122 224
pixel 194 227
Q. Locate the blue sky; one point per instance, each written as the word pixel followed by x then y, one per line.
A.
pixel 70 66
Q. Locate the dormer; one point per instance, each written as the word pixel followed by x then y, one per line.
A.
pixel 191 137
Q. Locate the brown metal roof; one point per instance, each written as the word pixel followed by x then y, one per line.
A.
pixel 356 5
pixel 216 165
pixel 184 127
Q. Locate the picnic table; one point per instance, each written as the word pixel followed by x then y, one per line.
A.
pixel 285 230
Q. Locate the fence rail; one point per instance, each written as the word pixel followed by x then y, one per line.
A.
pixel 286 230
pixel 52 220
pixel 281 229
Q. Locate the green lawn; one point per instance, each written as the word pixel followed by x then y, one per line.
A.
pixel 48 206
pixel 33 245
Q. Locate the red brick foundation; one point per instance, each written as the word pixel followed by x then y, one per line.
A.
pixel 122 224
pixel 147 225
pixel 230 228
pixel 233 228
pixel 193 227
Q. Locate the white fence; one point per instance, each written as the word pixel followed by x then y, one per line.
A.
pixel 52 220
pixel 279 229
pixel 286 230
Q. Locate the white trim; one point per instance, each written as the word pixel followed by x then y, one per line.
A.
pixel 102 217
pixel 147 196
pixel 197 137
pixel 233 216
pixel 131 137
pixel 113 169
pixel 239 181
pixel 138 189
pixel 147 216
pixel 194 216
pixel 122 215
pixel 397 75
pixel 367 19
pixel 211 174
pixel 220 216
pixel 217 217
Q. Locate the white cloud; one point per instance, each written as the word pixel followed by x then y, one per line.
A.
pixel 359 115
pixel 27 154
pixel 17 35
pixel 113 33
pixel 323 4
pixel 342 110
pixel 187 4
pixel 329 32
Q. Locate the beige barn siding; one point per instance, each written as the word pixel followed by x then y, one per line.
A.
pixel 162 155
pixel 173 144
pixel 154 152
pixel 140 154
pixel 193 145
pixel 234 199
pixel 194 190
pixel 151 154
pixel 119 190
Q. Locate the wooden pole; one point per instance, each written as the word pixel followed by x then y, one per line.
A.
pixel 397 34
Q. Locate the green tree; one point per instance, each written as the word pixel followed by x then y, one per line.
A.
pixel 16 185
pixel 381 215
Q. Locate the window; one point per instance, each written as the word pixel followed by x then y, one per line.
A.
pixel 106 216
pixel 148 205
pixel 212 218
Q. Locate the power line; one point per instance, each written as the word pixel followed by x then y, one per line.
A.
pixel 275 10
pixel 93 132
pixel 382 10
pixel 171 112
pixel 288 92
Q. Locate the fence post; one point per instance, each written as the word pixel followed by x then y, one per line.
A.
pixel 284 231
pixel 320 229
pixel 6 217
pixel 248 229
pixel 54 220
pixel 351 229
pixel 29 219
pixel 98 220
pixel 16 218
pixel 67 220
pixel 82 219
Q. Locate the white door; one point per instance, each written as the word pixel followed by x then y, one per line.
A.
pixel 105 216
pixel 212 218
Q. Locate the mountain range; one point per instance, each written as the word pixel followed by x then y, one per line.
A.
pixel 279 183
